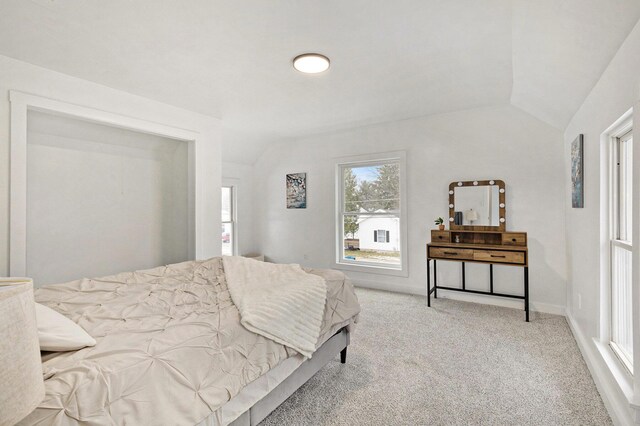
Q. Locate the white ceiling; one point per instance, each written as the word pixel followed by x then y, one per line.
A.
pixel 560 50
pixel 390 59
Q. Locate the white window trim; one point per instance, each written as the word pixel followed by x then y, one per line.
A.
pixel 372 268
pixel 624 130
pixel 233 184
pixel 612 360
pixel 620 131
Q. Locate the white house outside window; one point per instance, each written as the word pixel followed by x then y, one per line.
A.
pixel 370 226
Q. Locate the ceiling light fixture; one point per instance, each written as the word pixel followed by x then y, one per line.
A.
pixel 311 63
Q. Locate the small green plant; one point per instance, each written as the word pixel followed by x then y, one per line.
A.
pixel 439 221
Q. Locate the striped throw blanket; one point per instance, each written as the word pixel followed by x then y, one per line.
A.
pixel 280 302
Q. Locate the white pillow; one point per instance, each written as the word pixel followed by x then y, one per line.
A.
pixel 58 333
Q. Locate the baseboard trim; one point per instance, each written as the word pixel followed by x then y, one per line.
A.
pixel 465 297
pixel 375 285
pixel 613 397
pixel 504 302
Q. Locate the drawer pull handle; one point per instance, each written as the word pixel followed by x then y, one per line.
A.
pixel 440 236
pixel 513 239
pixel 501 257
pixel 451 252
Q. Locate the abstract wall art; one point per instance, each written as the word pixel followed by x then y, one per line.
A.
pixel 297 191
pixel 577 173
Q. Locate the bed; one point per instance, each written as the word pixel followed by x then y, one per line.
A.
pixel 171 350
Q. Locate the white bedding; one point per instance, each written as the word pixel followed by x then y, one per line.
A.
pixel 280 302
pixel 170 347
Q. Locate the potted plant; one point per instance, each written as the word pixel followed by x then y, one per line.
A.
pixel 440 222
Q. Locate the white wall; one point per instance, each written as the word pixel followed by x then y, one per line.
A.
pixel 491 143
pixel 615 93
pixel 20 76
pixel 241 176
pixel 102 200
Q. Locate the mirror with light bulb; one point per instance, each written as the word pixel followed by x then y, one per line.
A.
pixel 477 205
pixel 477 233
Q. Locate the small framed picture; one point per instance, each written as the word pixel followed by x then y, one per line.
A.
pixel 577 173
pixel 297 191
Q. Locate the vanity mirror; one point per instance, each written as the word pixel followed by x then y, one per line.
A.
pixel 477 205
pixel 477 234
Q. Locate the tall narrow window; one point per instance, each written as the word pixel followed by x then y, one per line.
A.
pixel 228 221
pixel 370 228
pixel 621 246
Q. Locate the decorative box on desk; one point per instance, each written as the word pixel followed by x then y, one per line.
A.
pixel 478 244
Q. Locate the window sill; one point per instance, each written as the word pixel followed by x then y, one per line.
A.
pixel 370 269
pixel 617 369
pixel 622 358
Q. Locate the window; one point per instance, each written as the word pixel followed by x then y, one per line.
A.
pixel 621 324
pixel 370 230
pixel 381 236
pixel 228 221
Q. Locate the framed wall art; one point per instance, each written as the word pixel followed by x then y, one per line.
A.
pixel 297 191
pixel 577 173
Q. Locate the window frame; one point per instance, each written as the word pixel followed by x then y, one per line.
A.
pixel 370 267
pixel 620 222
pixel 620 132
pixel 233 215
pixel 617 203
pixel 386 236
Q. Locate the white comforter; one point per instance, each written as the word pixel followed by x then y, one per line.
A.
pixel 170 346
pixel 280 302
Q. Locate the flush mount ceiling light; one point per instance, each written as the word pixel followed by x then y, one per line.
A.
pixel 311 63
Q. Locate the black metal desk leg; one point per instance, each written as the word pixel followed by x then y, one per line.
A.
pixel 435 280
pixel 526 291
pixel 491 278
pixel 464 284
pixel 428 283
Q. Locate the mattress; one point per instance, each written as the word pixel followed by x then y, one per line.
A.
pixel 170 347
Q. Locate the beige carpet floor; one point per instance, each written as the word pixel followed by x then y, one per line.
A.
pixel 454 364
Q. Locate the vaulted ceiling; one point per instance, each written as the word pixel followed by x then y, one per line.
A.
pixel 390 59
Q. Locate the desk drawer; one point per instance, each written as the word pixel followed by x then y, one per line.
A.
pixel 440 236
pixel 499 256
pixel 451 253
pixel 514 239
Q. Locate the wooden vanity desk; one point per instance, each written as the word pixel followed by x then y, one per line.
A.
pixel 491 245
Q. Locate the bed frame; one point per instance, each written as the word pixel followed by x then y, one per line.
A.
pixel 325 353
